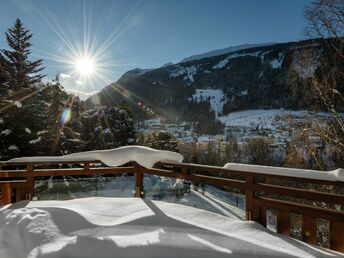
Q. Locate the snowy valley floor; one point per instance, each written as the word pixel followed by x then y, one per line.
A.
pixel 132 227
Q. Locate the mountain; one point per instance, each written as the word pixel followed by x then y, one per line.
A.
pixel 223 51
pixel 264 77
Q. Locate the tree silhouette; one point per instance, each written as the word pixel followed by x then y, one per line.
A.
pixel 21 72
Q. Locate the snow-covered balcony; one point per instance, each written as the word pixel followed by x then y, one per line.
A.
pixel 155 225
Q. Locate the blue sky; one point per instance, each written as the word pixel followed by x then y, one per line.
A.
pixel 128 34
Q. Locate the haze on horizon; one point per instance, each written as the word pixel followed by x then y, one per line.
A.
pixel 107 38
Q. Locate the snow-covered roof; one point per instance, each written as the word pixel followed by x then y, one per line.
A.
pixel 334 175
pixel 133 227
pixel 144 156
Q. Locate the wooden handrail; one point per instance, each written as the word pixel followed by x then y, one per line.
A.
pixel 216 169
pixel 9 163
pixel 260 190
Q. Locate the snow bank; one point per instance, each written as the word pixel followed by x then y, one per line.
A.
pixel 247 232
pixel 99 210
pixel 334 175
pixel 144 156
pixel 99 227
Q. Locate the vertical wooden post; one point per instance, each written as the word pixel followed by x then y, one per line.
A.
pixel 283 222
pixel 138 181
pixel 337 236
pixel 184 172
pixel 249 197
pixel 29 189
pixel 20 194
pixel 6 193
pixel 86 166
pixel 262 216
pixel 309 230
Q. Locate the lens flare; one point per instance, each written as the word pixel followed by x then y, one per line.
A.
pixel 66 116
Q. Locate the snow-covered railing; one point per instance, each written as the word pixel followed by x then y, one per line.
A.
pixel 264 187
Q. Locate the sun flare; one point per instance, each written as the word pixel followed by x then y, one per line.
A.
pixel 85 66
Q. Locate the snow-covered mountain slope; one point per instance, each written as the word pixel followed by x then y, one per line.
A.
pixel 222 51
pixel 270 118
pixel 216 99
pixel 264 77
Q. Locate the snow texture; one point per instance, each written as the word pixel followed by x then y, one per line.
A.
pixel 223 51
pixel 13 147
pixel 334 175
pixel 132 227
pixel 216 99
pixel 140 72
pixel 189 72
pixel 35 140
pixel 277 63
pixel 225 61
pixel 144 156
pixel 18 104
pixel 6 132
pixel 305 64
pixel 269 118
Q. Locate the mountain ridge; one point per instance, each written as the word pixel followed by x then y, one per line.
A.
pixel 222 51
pixel 270 76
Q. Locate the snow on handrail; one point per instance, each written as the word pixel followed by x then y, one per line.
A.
pixel 334 175
pixel 144 156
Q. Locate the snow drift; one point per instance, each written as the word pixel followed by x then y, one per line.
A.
pixel 100 227
pixel 144 156
pixel 334 175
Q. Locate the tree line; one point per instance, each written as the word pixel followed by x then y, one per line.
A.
pixel 40 118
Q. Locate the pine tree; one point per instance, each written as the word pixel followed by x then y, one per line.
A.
pixel 22 72
pixel 3 77
pixel 162 140
pixel 106 128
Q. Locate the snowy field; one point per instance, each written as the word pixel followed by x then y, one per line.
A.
pixel 132 227
pixel 268 118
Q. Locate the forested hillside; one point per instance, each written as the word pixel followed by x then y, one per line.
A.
pixel 272 76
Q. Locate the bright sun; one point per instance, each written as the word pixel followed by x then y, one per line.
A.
pixel 85 66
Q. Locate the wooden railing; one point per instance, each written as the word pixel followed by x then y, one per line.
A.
pixel 284 194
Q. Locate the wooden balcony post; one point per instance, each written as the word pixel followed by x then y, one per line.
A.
pixel 86 166
pixel 20 193
pixel 337 236
pixel 138 181
pixel 261 216
pixel 309 230
pixel 283 222
pixel 6 193
pixel 249 197
pixel 30 181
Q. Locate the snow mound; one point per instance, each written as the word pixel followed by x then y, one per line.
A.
pixel 144 156
pixel 76 229
pixel 334 175
pixel 97 210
